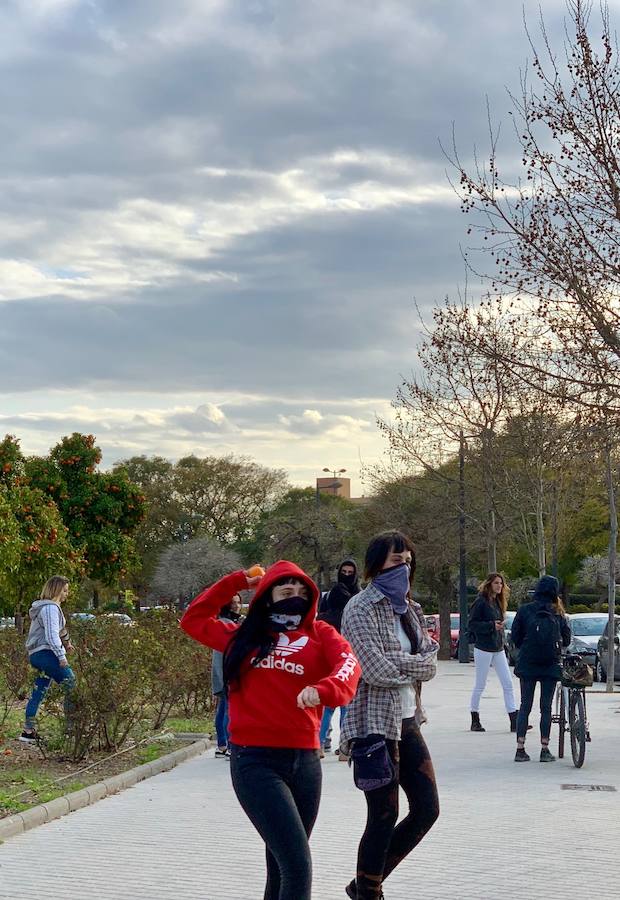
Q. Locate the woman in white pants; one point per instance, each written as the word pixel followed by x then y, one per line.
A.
pixel 486 623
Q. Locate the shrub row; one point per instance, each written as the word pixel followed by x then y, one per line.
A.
pixel 129 679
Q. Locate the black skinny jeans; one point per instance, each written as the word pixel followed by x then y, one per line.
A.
pixel 385 844
pixel 547 690
pixel 279 790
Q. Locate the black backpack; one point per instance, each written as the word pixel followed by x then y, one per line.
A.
pixel 544 641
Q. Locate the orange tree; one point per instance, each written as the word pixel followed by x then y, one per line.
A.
pixel 100 510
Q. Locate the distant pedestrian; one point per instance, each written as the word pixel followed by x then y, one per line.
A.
pixel 281 667
pixel 486 623
pixel 388 634
pixel 47 645
pixel 346 586
pixel 540 629
pixel 229 613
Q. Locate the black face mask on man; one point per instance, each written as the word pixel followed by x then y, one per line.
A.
pixel 286 615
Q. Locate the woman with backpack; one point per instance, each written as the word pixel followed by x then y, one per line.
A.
pixel 540 630
pixel 281 666
pixel 486 623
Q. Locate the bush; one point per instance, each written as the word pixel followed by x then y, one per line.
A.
pixel 128 681
pixel 14 674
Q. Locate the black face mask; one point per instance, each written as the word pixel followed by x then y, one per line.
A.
pixel 347 580
pixel 286 615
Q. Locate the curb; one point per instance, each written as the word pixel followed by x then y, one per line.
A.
pixel 54 809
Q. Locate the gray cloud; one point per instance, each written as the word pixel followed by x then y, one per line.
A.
pixel 233 198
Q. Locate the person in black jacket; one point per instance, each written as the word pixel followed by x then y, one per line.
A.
pixel 540 630
pixel 346 586
pixel 486 623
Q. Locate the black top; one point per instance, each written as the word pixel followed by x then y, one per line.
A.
pixel 346 587
pixel 483 615
pixel 524 619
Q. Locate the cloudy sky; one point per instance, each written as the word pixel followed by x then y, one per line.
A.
pixel 216 215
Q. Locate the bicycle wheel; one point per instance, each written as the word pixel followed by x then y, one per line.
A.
pixel 561 721
pixel 577 724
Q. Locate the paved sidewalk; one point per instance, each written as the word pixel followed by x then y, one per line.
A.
pixel 506 831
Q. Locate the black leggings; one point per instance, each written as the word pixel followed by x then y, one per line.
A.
pixel 547 690
pixel 384 844
pixel 279 790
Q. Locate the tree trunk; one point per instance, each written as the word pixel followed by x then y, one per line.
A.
pixel 540 532
pixel 95 598
pixel 492 542
pixel 445 595
pixel 611 588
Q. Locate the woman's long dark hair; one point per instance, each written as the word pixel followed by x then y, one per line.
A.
pixel 254 634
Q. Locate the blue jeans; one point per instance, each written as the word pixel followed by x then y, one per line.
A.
pixel 48 665
pixel 326 721
pixel 221 721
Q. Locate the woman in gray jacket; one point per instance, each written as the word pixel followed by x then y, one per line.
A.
pixel 387 633
pixel 47 644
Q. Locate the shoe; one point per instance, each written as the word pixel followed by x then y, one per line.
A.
pixel 321 753
pixel 351 891
pixel 328 744
pixel 546 755
pixel 223 753
pixel 476 724
pixel 343 757
pixel 521 755
pixel 29 737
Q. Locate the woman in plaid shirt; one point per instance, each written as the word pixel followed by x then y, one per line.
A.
pixel 388 635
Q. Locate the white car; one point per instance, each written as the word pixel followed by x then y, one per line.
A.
pixel 586 629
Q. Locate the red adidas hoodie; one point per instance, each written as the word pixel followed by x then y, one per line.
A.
pixel 263 709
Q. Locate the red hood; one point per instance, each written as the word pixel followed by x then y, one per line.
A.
pixel 285 569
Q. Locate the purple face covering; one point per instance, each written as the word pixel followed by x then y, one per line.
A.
pixel 394 584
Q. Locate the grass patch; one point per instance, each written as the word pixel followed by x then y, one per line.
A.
pixel 23 788
pixel 194 726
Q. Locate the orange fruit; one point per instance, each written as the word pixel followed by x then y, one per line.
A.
pixel 255 572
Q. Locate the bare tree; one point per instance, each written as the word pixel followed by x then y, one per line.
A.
pixel 554 234
pixel 185 568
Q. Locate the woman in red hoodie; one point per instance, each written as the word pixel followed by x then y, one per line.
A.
pixel 281 667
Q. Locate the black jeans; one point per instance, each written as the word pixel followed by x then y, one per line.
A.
pixel 547 690
pixel 385 844
pixel 279 790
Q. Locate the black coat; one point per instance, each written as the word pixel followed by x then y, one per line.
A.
pixel 482 618
pixel 524 619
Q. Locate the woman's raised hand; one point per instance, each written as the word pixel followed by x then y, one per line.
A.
pixel 254 575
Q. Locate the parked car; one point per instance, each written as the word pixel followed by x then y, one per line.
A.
pixel 7 622
pixel 83 617
pixel 121 618
pixel 586 629
pixel 512 652
pixel 432 623
pixel 455 624
pixel 601 651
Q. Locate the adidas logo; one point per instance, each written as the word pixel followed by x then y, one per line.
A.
pixel 348 667
pixel 285 647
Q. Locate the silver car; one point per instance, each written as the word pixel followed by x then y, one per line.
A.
pixel 586 629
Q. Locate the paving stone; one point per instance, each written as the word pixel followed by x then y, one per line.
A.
pixel 506 831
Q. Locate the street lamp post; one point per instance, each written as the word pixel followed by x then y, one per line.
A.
pixel 335 473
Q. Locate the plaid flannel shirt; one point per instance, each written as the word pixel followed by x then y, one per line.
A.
pixel 368 625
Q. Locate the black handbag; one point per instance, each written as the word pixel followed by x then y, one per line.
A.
pixel 372 764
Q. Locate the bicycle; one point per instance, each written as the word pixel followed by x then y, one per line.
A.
pixel 570 696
